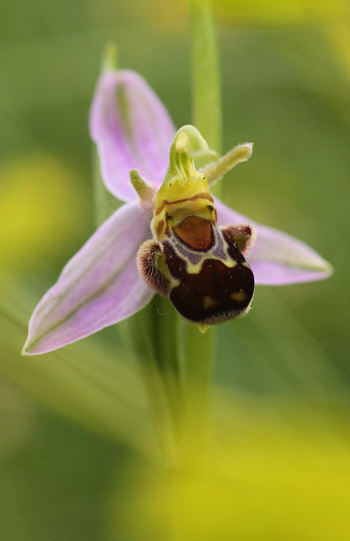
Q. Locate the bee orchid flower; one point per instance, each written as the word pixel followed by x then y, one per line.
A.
pixel 170 236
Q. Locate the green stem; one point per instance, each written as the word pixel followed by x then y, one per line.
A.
pixel 206 86
pixel 152 335
pixel 200 353
pixel 206 96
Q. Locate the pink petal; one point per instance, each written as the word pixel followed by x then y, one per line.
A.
pixel 99 286
pixel 132 130
pixel 277 258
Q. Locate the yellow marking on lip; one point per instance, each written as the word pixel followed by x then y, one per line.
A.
pixel 196 268
pixel 202 327
pixel 239 296
pixel 208 302
pixel 165 202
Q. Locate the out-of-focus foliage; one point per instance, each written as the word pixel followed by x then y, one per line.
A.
pixel 283 13
pixel 284 475
pixel 40 199
pixel 77 451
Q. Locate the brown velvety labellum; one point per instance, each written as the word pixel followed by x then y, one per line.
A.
pixel 216 293
pixel 196 232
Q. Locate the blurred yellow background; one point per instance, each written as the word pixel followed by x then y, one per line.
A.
pixel 78 460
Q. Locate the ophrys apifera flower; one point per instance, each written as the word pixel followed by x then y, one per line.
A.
pixel 198 265
pixel 101 284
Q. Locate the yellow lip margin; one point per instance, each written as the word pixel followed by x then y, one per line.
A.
pixel 179 198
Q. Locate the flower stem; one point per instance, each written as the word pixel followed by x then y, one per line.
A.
pixel 206 97
pixel 200 353
pixel 157 349
pixel 206 86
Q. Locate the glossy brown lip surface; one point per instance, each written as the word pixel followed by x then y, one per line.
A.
pixel 216 293
pixel 195 232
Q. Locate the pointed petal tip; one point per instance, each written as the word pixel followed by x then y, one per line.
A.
pixel 327 269
pixel 215 170
pixel 98 287
pixel 32 347
pixel 25 352
pixel 289 268
pixel 145 190
pixel 325 265
pixel 248 146
pixel 244 152
pixel 282 272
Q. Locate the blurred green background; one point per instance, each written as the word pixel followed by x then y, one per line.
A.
pixel 77 454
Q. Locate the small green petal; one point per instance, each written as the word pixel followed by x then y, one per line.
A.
pixel 144 189
pixel 217 169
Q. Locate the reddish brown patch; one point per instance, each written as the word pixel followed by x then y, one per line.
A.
pixel 196 232
pixel 160 227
